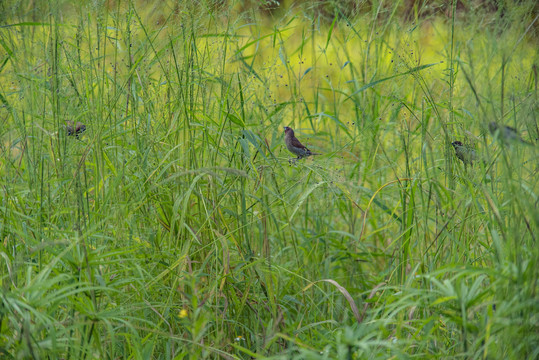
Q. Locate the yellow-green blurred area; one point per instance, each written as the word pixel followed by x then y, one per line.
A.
pixel 298 63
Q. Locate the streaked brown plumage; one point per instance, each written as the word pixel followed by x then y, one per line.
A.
pixel 294 145
pixel 466 154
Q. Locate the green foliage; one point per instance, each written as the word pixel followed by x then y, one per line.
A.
pixel 175 226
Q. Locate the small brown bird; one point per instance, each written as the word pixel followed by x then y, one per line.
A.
pixel 77 130
pixel 294 146
pixel 466 154
pixel 505 133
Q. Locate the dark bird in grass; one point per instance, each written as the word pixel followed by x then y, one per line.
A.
pixel 505 133
pixel 294 146
pixel 75 130
pixel 466 154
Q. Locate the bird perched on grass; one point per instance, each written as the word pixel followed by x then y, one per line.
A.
pixel 294 146
pixel 76 129
pixel 505 133
pixel 466 154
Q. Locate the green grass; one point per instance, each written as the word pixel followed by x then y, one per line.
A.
pixel 176 227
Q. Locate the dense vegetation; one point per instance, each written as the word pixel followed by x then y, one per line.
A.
pixel 176 227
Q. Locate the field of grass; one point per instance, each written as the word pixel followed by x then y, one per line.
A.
pixel 175 227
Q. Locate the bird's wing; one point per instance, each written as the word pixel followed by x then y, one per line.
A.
pixel 296 143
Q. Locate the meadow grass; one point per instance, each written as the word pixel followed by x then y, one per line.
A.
pixel 176 228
